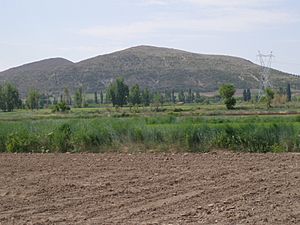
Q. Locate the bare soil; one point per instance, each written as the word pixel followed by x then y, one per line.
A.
pixel 212 188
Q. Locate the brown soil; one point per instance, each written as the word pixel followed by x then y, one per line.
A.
pixel 214 188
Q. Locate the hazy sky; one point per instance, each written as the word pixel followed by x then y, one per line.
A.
pixel 77 29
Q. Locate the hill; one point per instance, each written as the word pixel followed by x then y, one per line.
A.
pixel 152 67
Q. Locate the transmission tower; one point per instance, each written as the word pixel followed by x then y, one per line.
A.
pixel 265 62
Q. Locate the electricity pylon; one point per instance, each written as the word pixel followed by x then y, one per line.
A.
pixel 265 62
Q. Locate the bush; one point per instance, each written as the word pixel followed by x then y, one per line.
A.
pixel 86 138
pixel 253 138
pixel 60 138
pixel 230 103
pixel 198 138
pixel 61 107
pixel 178 110
pixel 21 142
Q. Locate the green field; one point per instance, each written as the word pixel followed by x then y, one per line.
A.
pixel 193 127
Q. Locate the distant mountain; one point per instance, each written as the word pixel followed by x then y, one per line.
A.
pixel 152 67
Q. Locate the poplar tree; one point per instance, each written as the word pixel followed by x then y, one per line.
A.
pixel 289 92
pixel 33 99
pixel 9 97
pixel 146 97
pixel 135 95
pixel 101 97
pixel 78 98
pixel 96 97
pixel 118 92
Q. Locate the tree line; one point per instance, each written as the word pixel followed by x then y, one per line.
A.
pixel 119 94
pixel 10 98
pixel 227 92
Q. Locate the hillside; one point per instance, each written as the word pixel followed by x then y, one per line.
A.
pixel 153 67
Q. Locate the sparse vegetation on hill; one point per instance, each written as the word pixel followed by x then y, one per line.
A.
pixel 155 68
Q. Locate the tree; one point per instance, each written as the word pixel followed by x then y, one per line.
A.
pixel 118 92
pixel 168 96
pixel 226 92
pixel 9 97
pixel 107 97
pixel 190 96
pixel 135 95
pixel 43 101
pixel 198 98
pixel 2 100
pixel 96 97
pixel 146 97
pixel 245 95
pixel 181 96
pixel 158 100
pixel 54 100
pixel 249 97
pixel 66 97
pixel 289 92
pixel 162 99
pixel 101 97
pixel 33 99
pixel 46 100
pixel 173 97
pixel 269 96
pixel 79 98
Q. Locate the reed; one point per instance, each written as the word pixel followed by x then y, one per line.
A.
pixel 197 134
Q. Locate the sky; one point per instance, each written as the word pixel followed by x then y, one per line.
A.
pixel 32 30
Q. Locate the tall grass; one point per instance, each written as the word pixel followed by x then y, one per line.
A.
pixel 251 134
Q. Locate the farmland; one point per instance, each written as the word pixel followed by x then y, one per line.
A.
pixel 148 170
pixel 141 188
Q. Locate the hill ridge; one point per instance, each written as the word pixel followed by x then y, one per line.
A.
pixel 154 67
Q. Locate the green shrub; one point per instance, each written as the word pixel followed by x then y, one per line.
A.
pixel 61 107
pixel 21 142
pixel 92 138
pixel 136 135
pixel 178 110
pixel 277 148
pixel 60 138
pixel 197 138
pixel 2 143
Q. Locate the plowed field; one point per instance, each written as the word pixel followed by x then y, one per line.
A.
pixel 212 188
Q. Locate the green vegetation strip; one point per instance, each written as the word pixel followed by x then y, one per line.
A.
pixel 251 134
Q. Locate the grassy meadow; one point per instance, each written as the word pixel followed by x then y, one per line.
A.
pixel 191 127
